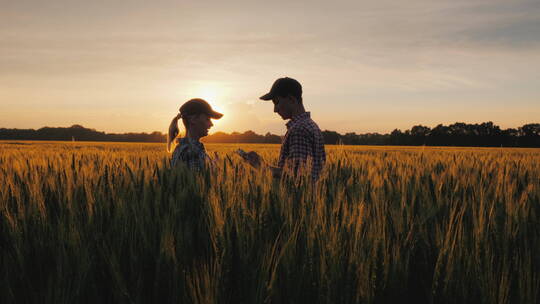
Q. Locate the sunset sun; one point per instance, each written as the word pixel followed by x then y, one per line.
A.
pixel 213 93
pixel 216 95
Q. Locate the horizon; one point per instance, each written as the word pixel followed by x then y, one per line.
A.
pixel 258 133
pixel 365 66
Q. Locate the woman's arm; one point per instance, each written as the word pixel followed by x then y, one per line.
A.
pixel 255 161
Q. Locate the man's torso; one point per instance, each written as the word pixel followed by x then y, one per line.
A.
pixel 302 142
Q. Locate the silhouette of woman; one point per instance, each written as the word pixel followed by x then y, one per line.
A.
pixel 196 115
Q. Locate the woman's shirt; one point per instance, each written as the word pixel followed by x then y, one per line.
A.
pixel 191 153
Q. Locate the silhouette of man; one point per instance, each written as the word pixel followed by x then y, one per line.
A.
pixel 303 143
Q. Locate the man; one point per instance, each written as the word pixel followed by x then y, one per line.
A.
pixel 303 143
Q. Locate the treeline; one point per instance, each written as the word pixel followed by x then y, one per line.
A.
pixel 78 133
pixel 458 134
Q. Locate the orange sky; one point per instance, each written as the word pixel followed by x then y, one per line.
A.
pixel 366 66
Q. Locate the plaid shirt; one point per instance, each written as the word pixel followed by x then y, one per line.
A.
pixel 190 152
pixel 302 142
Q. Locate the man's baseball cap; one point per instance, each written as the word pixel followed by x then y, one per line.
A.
pixel 283 87
pixel 198 106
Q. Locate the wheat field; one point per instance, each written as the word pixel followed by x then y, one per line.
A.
pixel 114 223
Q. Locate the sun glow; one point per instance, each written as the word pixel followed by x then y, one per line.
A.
pixel 216 95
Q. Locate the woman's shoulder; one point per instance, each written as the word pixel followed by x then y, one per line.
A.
pixel 180 152
pixel 181 146
pixel 189 152
pixel 186 146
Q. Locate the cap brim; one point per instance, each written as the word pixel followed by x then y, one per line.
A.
pixel 215 115
pixel 268 96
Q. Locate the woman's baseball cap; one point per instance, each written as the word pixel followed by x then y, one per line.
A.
pixel 198 106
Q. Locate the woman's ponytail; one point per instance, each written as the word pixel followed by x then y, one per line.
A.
pixel 173 133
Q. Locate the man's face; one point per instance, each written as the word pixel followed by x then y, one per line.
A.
pixel 200 124
pixel 284 106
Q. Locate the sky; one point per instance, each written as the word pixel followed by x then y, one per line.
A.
pixel 365 66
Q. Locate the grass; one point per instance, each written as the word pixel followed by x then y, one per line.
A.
pixel 110 222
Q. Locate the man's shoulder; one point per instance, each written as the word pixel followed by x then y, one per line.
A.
pixel 307 130
pixel 307 126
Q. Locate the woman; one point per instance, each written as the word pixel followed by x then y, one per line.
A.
pixel 196 115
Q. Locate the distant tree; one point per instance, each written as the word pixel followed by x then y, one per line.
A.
pixel 350 139
pixel 270 138
pixel 419 134
pixel 530 135
pixel 397 137
pixel 439 136
pixel 531 129
pixel 331 137
pixel 420 131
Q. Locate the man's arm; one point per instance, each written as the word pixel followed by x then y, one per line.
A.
pixel 300 148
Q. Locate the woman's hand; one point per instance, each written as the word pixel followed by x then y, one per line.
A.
pixel 253 159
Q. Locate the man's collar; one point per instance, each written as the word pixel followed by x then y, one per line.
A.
pixel 297 118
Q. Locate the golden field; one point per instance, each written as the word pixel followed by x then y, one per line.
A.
pixel 112 222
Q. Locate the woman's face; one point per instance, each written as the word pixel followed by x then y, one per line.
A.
pixel 199 124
